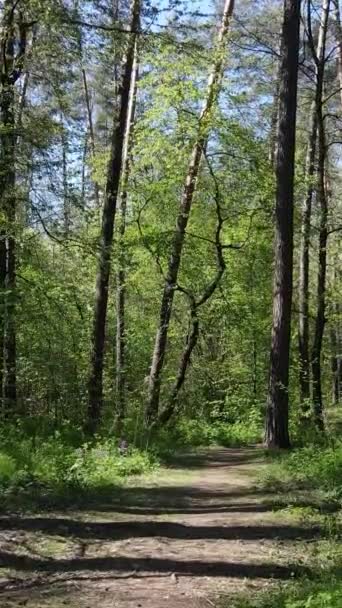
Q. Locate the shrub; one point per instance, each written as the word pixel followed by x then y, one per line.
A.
pixel 314 467
pixel 322 594
pixel 54 465
pixel 8 468
pixel 187 434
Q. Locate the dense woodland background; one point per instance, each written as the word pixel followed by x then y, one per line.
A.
pixel 171 277
pixel 102 107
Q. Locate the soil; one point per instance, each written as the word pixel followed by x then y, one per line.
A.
pixel 194 532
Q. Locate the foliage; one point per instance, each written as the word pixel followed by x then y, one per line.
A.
pixel 315 466
pixel 55 463
pixel 198 433
pixel 322 594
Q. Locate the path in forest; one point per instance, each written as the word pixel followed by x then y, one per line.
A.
pixel 198 530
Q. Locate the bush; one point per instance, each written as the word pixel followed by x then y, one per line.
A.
pixel 54 465
pixel 324 594
pixel 318 467
pixel 102 464
pixel 187 434
pixel 8 468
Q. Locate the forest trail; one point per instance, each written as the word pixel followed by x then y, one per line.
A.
pixel 197 530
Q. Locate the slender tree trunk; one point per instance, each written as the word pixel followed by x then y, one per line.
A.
pixel 107 229
pixel 2 307
pixel 10 346
pixel 66 197
pixel 11 66
pixel 214 85
pixel 121 273
pixel 274 116
pixel 274 123
pixel 338 36
pixel 84 170
pixel 91 132
pixel 322 196
pixel 190 343
pixel 195 305
pixel 303 329
pixel 334 339
pixel 339 353
pixel 277 434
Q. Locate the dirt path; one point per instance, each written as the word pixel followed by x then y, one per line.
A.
pixel 198 531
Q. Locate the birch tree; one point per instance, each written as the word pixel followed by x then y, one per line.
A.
pixel 121 272
pixel 170 284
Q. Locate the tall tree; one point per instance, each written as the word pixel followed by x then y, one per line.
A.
pixel 338 36
pixel 107 228
pixel 322 191
pixel 121 271
pixel 12 55
pixel 303 296
pixel 320 321
pixel 277 433
pixel 170 285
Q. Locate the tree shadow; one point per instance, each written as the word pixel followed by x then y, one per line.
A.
pixel 114 531
pixel 217 458
pixel 143 567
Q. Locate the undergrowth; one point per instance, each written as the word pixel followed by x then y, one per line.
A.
pixel 53 464
pixel 316 467
pixel 41 463
pixel 313 473
pixel 198 433
pixel 321 594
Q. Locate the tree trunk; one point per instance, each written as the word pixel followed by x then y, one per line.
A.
pixel 2 309
pixel 277 433
pixel 11 69
pixel 317 396
pixel 338 36
pixel 91 132
pixel 121 273
pixel 107 229
pixel 303 329
pixel 66 197
pixel 334 339
pixel 274 115
pixel 170 284
pixel 195 305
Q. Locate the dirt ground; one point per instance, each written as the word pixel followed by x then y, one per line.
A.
pixel 195 532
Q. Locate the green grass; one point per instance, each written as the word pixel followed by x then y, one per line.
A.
pixel 198 433
pixel 43 468
pixel 311 474
pixel 316 467
pixel 322 594
pixel 41 465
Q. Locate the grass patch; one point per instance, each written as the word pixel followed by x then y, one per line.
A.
pixel 317 467
pixel 52 469
pixel 322 594
pixel 198 433
pixel 307 480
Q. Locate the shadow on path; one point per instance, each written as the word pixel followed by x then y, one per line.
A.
pixel 114 531
pixel 141 567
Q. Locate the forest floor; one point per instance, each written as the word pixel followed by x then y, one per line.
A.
pixel 183 537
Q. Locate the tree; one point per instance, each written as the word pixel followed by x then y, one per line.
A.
pixel 303 298
pixel 121 273
pixel 107 229
pixel 13 45
pixel 170 284
pixel 277 434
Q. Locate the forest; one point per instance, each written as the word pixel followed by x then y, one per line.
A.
pixel 170 303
